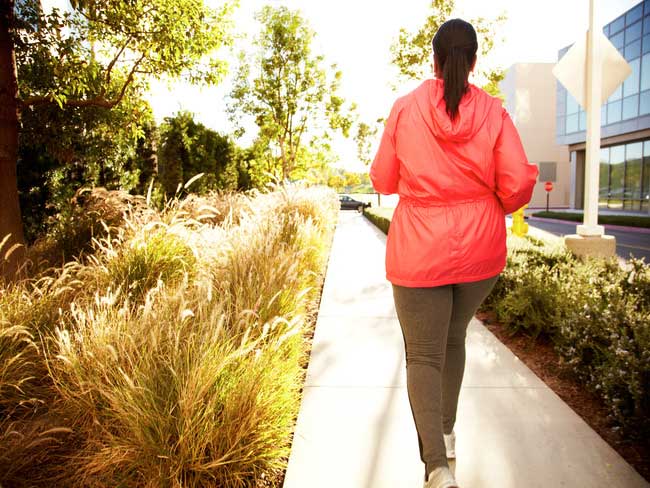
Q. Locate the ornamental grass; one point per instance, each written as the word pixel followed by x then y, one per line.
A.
pixel 171 352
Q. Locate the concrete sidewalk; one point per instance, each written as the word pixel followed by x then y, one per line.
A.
pixel 355 428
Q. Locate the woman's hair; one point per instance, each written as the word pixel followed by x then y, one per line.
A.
pixel 454 47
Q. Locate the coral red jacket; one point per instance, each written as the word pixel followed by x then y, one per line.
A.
pixel 456 181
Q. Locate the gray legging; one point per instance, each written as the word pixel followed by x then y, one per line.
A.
pixel 434 322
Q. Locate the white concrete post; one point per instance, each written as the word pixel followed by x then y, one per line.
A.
pixel 593 90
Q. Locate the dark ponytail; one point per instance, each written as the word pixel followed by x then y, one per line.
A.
pixel 454 47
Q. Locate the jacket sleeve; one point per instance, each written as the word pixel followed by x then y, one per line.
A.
pixel 515 176
pixel 384 171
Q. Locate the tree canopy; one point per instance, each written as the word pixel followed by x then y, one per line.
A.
pixel 411 53
pixel 288 92
pixel 188 148
pixel 92 55
pixel 87 61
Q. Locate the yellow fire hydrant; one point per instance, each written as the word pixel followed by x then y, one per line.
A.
pixel 519 225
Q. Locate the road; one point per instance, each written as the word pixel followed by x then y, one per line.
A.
pixel 627 242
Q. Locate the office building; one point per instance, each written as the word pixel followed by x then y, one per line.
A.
pixel 530 90
pixel 625 119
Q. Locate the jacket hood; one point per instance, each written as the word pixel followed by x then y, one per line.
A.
pixel 472 112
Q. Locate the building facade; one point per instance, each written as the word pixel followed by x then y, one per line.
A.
pixel 530 90
pixel 625 119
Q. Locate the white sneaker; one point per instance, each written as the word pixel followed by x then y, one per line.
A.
pixel 441 477
pixel 450 445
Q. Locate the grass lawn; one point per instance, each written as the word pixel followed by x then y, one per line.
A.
pixel 627 220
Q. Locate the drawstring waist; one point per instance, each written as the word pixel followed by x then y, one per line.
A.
pixel 418 202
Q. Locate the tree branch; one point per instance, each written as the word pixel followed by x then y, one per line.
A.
pixel 109 68
pixel 98 101
pixel 117 26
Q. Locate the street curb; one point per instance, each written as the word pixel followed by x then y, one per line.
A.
pixel 638 230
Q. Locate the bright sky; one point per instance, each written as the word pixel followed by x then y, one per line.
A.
pixel 357 34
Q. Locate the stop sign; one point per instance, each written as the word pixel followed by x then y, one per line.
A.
pixel 548 186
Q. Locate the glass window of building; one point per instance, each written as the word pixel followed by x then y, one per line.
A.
pixel 634 14
pixel 617 25
pixel 633 50
pixel 644 103
pixel 624 174
pixel 645 72
pixel 614 112
pixel 633 32
pixel 572 122
pixel 603 177
pixel 572 105
pixel 646 44
pixel 631 84
pixel 618 40
pixel 645 190
pixel 631 107
pixel 630 33
pixel 618 93
pixel 633 174
pixel 616 176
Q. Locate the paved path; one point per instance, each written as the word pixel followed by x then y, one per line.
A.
pixel 355 429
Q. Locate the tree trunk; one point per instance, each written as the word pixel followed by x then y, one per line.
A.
pixel 102 173
pixel 283 160
pixel 10 218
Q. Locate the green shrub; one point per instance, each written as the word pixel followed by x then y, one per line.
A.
pixel 525 296
pixel 604 337
pixel 596 314
pixel 636 283
pixel 531 304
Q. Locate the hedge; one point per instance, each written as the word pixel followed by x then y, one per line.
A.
pixel 625 220
pixel 380 217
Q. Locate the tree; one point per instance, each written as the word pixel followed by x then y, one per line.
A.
pixel 336 181
pixel 145 159
pixel 64 149
pixel 412 54
pixel 344 181
pixel 365 137
pixel 189 148
pixel 285 89
pixel 93 46
pixel 352 179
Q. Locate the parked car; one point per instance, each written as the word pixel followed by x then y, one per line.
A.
pixel 349 203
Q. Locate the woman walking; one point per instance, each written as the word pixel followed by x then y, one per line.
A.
pixel 453 155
